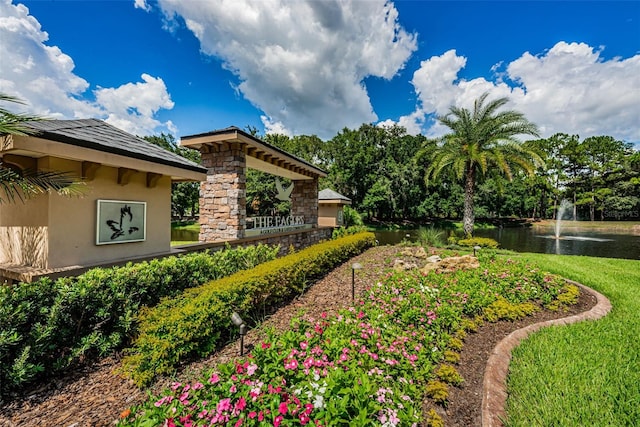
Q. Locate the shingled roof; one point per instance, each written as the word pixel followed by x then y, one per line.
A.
pixel 99 135
pixel 328 194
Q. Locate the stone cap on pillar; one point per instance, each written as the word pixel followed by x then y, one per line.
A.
pixel 259 154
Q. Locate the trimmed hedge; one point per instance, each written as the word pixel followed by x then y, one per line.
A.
pixel 47 326
pixel 198 321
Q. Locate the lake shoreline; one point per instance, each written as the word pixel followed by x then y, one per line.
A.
pixel 615 227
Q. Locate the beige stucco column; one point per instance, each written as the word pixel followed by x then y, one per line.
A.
pixel 223 195
pixel 304 200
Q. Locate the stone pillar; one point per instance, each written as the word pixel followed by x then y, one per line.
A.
pixel 304 200
pixel 223 195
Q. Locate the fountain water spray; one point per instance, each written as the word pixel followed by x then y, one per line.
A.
pixel 565 205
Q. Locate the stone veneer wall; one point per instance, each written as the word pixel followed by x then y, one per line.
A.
pixel 304 200
pixel 298 240
pixel 223 194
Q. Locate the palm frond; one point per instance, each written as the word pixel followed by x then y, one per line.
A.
pixel 30 183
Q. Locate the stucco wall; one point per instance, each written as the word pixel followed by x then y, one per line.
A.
pixel 69 223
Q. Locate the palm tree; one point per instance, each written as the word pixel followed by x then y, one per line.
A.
pixel 27 183
pixel 481 139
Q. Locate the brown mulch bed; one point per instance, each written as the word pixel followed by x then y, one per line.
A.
pixel 95 395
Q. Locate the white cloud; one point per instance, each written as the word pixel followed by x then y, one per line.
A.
pixel 568 89
pixel 413 123
pixel 43 76
pixel 302 62
pixel 142 4
pixel 273 127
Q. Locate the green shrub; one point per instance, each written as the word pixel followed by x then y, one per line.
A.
pixel 483 242
pixel 197 322
pixel 568 296
pixel 47 326
pixel 430 236
pixel 451 356
pixel 433 419
pixel 502 309
pixel 342 231
pixel 449 375
pixel 351 216
pixel 456 344
pixel 438 391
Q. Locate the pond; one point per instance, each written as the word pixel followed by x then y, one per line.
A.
pixel 525 239
pixel 184 235
pixel 539 239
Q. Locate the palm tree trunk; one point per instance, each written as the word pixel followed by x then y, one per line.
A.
pixel 469 184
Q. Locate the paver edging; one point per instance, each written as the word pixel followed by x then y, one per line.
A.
pixel 494 386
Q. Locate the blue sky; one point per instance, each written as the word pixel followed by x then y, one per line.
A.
pixel 315 67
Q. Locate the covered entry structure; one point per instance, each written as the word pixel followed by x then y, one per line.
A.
pixel 226 154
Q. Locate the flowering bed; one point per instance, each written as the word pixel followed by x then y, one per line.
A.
pixel 372 364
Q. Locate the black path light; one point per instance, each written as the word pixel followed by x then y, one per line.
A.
pixel 237 320
pixel 355 266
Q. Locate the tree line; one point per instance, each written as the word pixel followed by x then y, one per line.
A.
pixel 391 175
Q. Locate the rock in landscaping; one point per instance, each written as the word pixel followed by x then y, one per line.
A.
pixel 451 264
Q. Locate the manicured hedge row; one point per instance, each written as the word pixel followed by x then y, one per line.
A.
pixel 47 326
pixel 197 322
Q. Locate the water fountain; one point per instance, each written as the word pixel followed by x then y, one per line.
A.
pixel 564 206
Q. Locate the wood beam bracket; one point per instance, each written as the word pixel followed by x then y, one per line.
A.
pixel 152 179
pixel 89 170
pixel 22 162
pixel 124 175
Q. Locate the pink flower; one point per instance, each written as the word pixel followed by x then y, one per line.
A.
pixel 265 345
pixel 291 364
pixel 282 408
pixel 241 404
pixel 251 369
pixel 214 379
pixel 224 405
pixel 239 423
pixel 304 345
pixel 198 386
pixel 252 414
pixel 277 421
pixel 233 388
pixel 166 399
pixel 175 386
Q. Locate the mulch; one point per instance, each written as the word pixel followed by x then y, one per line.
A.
pixel 96 396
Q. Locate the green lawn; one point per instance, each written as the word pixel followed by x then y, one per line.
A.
pixel 586 374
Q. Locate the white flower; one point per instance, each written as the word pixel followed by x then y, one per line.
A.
pixel 318 402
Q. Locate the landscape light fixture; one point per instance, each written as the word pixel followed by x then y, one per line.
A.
pixel 355 266
pixel 237 320
pixel 475 248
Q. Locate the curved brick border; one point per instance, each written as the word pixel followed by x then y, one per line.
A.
pixel 494 387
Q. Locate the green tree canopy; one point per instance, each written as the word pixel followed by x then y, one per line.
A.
pixel 481 139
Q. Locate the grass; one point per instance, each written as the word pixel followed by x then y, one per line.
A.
pixel 185 225
pixel 586 373
pixel 613 226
